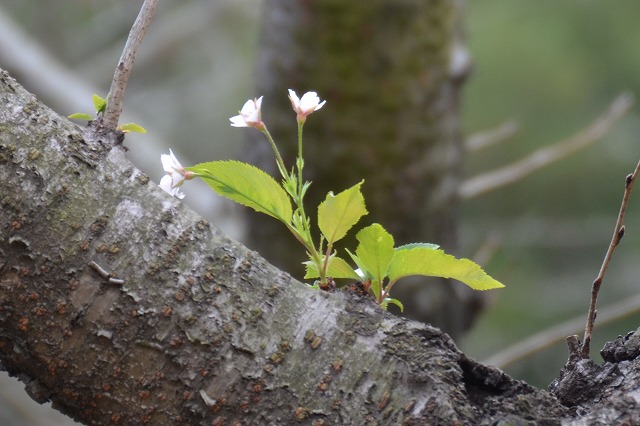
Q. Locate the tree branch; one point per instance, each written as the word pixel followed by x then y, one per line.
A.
pixel 121 305
pixel 180 24
pixel 121 74
pixel 558 333
pixel 543 157
pixel 490 137
pixel 618 233
pixel 53 80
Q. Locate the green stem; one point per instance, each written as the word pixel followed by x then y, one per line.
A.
pixel 325 264
pixel 300 161
pixel 281 168
pixel 304 238
pixel 384 292
pixel 298 200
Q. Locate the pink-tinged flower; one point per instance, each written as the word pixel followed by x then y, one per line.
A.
pixel 176 175
pixel 249 115
pixel 304 106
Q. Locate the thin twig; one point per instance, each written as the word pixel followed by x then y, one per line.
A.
pixel 618 233
pixel 558 333
pixel 543 157
pixel 180 26
pixel 121 74
pixel 490 137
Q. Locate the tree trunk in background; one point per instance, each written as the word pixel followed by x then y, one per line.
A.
pixel 387 72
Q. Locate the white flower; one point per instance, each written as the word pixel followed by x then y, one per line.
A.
pixel 176 175
pixel 166 183
pixel 249 115
pixel 309 103
pixel 172 166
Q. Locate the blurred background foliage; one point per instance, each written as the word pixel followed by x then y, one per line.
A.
pixel 552 66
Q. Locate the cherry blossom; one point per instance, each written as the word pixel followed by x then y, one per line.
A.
pixel 176 175
pixel 304 106
pixel 249 115
pixel 166 183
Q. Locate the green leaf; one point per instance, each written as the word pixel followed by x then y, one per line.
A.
pixel 247 185
pixel 436 263
pixel 132 127
pixel 375 250
pixel 338 268
pixel 360 265
pixel 99 103
pixel 417 245
pixel 338 213
pixel 396 302
pixel 81 116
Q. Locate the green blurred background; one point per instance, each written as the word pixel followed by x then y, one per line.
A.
pixel 554 66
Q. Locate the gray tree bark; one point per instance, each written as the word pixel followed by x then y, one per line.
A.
pixel 390 72
pixel 122 306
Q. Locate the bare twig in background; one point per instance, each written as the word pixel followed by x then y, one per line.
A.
pixel 618 233
pixel 559 332
pixel 543 157
pixel 490 137
pixel 180 25
pixel 485 252
pixel 121 75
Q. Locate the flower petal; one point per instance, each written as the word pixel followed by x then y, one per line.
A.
pixel 304 106
pixel 167 163
pixel 167 184
pixel 295 101
pixel 170 163
pixel 248 108
pixel 309 101
pixel 238 121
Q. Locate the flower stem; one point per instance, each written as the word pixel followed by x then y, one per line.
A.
pixel 304 237
pixel 325 264
pixel 279 162
pixel 300 160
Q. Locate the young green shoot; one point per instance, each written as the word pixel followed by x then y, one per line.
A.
pixel 378 263
pixel 100 105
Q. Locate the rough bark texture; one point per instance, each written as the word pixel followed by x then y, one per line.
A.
pixel 387 71
pixel 603 394
pixel 177 324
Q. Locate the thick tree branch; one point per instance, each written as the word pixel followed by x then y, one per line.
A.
pixel 195 327
pixel 122 306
